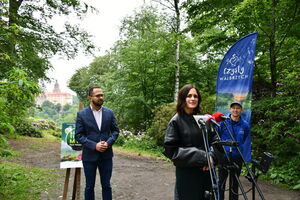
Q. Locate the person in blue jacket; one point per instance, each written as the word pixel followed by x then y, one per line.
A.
pixel 239 130
pixel 97 130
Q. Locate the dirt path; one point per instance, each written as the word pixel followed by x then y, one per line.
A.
pixel 134 177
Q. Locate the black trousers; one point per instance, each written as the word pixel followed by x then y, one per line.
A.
pixel 191 183
pixel 223 174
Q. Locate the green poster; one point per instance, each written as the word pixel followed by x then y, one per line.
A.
pixel 71 150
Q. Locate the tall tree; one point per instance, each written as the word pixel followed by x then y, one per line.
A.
pixel 28 39
pixel 275 119
pixel 174 6
pixel 145 65
pixel 138 73
pixel 92 75
pixel 218 24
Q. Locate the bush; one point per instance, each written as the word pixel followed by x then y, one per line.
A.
pixel 139 142
pixel 26 128
pixel 56 132
pixel 142 142
pixel 6 152
pixel 276 129
pixel 124 135
pixel 162 116
pixel 3 145
pixel 6 129
pixel 46 126
pixel 43 124
pixel 3 142
pixel 286 173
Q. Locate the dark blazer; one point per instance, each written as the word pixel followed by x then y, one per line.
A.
pixel 88 134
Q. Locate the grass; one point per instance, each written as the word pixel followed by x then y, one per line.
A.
pixel 22 182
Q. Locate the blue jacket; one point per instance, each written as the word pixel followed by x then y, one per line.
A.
pixel 240 131
pixel 88 134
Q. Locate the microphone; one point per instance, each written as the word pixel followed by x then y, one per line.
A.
pixel 202 119
pixel 220 116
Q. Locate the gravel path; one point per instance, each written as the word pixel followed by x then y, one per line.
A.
pixel 135 177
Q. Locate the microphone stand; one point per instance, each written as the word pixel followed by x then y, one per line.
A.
pixel 247 167
pixel 201 123
pixel 231 167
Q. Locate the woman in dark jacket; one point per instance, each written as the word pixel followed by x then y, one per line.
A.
pixel 184 145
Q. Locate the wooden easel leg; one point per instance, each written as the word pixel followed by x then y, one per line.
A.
pixel 66 184
pixel 76 185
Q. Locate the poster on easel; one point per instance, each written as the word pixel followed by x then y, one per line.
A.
pixel 71 150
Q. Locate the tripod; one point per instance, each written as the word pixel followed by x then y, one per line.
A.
pixel 250 173
pixel 233 169
pixel 263 166
pixel 213 176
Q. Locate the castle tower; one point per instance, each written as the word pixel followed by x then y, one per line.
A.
pixel 56 88
pixel 56 96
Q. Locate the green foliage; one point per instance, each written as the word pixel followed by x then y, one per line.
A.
pixel 26 128
pixel 217 27
pixel 276 127
pixel 43 124
pixel 275 110
pixel 55 115
pixel 79 83
pixel 19 182
pixel 4 152
pixel 34 127
pixel 137 74
pixel 143 62
pixel 3 142
pixel 28 40
pixel 46 127
pixel 286 172
pixel 162 116
pixel 140 143
pixel 17 95
pixel 124 135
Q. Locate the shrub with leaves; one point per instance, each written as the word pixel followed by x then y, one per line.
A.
pixel 124 135
pixel 26 128
pixel 162 116
pixel 276 128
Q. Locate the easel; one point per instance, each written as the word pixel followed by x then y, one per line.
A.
pixel 77 179
pixel 76 184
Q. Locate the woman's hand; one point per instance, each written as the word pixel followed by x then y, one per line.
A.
pixel 206 168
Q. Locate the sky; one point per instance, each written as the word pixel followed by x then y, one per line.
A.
pixel 104 27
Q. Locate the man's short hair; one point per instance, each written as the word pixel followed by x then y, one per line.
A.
pixel 91 89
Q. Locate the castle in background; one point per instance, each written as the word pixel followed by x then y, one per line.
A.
pixel 56 97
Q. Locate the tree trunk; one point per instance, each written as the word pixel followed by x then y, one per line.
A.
pixel 273 61
pixel 177 66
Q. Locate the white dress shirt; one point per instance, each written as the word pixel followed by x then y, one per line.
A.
pixel 98 116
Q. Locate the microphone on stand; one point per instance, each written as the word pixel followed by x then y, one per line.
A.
pixel 220 117
pixel 202 119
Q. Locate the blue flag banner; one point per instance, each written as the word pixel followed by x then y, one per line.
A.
pixel 234 81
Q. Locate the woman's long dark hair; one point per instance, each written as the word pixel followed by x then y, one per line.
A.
pixel 181 102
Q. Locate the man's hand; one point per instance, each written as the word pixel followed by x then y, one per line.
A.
pixel 101 146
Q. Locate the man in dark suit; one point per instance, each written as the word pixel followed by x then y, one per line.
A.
pixel 97 130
